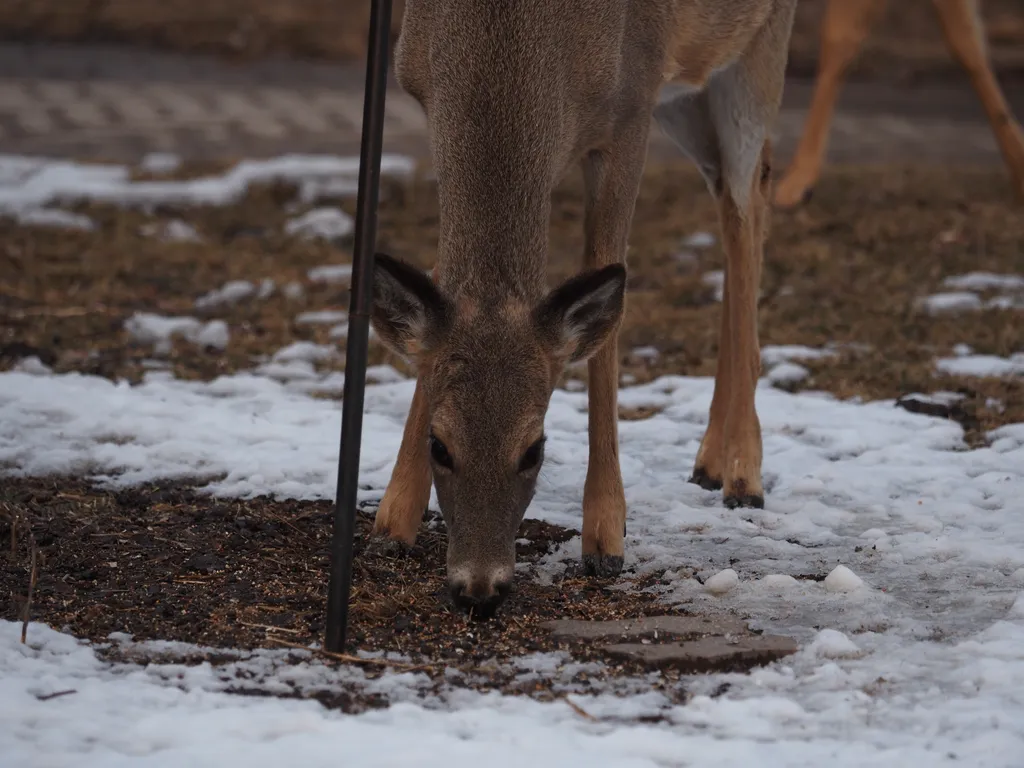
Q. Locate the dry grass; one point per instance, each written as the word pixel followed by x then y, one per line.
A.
pixel 907 43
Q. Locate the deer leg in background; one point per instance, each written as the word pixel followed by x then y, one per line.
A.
pixel 612 178
pixel 965 36
pixel 843 31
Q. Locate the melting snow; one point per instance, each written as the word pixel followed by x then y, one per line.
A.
pixel 326 223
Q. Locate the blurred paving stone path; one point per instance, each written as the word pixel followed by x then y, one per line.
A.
pixel 116 103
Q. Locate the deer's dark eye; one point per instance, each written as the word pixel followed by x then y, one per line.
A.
pixel 532 456
pixel 439 453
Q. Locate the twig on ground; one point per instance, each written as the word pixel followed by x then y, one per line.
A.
pixel 350 659
pixel 56 694
pixel 270 628
pixel 578 709
pixel 28 600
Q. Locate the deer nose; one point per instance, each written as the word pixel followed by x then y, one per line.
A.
pixel 480 596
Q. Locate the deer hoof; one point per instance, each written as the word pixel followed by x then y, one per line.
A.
pixel 701 477
pixel 382 544
pixel 602 566
pixel 750 500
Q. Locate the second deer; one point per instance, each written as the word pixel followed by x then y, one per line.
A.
pixel 844 29
pixel 515 93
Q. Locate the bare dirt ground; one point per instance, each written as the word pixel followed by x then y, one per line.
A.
pixel 906 45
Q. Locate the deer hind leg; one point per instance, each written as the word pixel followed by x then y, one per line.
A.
pixel 965 36
pixel 844 28
pixel 612 178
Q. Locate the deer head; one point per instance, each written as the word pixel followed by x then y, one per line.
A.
pixel 488 366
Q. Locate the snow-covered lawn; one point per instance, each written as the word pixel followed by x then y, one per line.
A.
pixel 931 667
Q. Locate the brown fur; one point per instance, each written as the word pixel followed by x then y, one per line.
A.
pixel 515 92
pixel 845 27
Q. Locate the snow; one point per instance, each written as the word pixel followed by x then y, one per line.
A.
pixel 326 223
pixel 173 231
pixel 787 373
pixel 160 162
pixel 699 240
pixel 985 281
pixel 293 291
pixel 953 301
pixel 715 279
pixel 54 217
pixel 830 644
pixel 321 317
pixel 968 364
pixel 231 292
pixel 28 183
pixel 305 350
pixel 149 328
pixel 330 273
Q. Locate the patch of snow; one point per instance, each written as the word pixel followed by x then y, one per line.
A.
pixel 325 223
pixel 982 365
pixel 953 301
pixel 985 281
pixel 266 289
pixel 773 354
pixel 32 365
pixel 830 644
pixel 27 183
pixel 646 353
pixel 715 279
pixel 321 317
pixel 160 162
pixel 53 217
pixel 214 334
pixel 305 350
pixel 383 374
pixel 173 231
pixel 339 331
pixel 787 373
pixel 331 273
pixel 699 240
pixel 149 328
pixel 231 292
pixel 293 291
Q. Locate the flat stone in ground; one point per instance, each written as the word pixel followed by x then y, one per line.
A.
pixel 709 654
pixel 648 627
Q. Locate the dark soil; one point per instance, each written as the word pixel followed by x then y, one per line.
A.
pixel 907 43
pixel 161 562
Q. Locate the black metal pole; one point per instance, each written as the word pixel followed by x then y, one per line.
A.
pixel 358 326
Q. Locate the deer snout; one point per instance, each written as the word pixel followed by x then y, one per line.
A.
pixel 480 593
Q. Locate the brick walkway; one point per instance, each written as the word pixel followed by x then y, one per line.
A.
pixel 117 104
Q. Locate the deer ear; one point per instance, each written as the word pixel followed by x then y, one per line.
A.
pixel 578 316
pixel 410 314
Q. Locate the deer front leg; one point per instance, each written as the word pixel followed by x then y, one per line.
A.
pixel 965 36
pixel 408 492
pixel 612 179
pixel 843 30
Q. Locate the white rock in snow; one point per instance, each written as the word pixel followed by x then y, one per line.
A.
pixel 722 582
pixel 832 644
pixel 842 579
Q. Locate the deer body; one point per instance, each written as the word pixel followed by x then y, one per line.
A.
pixel 515 92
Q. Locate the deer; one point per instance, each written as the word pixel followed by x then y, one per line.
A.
pixel 844 28
pixel 516 92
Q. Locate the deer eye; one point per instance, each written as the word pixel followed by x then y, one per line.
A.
pixel 532 456
pixel 439 453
